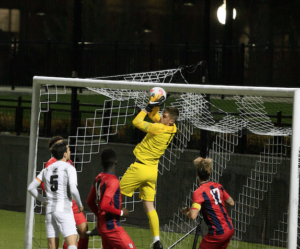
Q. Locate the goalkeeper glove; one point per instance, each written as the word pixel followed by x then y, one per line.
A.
pixel 156 101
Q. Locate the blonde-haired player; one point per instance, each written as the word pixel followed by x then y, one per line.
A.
pixel 211 197
pixel 142 173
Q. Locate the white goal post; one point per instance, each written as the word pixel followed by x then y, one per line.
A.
pixel 170 87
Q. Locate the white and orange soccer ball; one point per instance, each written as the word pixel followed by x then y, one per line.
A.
pixel 155 92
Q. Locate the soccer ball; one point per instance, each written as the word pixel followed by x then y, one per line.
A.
pixel 157 90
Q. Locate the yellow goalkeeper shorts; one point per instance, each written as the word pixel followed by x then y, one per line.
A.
pixel 140 176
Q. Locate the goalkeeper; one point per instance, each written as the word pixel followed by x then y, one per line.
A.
pixel 142 173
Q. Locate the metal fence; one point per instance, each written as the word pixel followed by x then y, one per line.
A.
pixel 235 65
pixel 15 119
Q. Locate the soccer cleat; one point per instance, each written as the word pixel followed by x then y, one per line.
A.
pixel 157 245
pixel 94 232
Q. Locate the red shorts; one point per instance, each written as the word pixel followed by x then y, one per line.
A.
pixel 116 239
pixel 79 217
pixel 216 241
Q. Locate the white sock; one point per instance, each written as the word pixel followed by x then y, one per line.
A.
pixel 72 247
pixel 155 238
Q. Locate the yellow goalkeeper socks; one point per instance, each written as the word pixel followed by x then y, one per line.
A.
pixel 153 222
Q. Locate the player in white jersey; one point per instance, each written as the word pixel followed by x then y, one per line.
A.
pixel 60 181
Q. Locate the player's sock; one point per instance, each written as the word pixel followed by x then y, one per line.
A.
pixel 154 224
pixel 155 238
pixel 83 243
pixel 65 245
pixel 72 247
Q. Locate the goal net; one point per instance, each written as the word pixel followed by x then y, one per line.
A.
pixel 248 133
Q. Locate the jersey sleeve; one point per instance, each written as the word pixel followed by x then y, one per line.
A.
pixel 39 177
pixel 107 207
pixel 72 175
pixel 145 126
pixel 154 115
pixel 226 196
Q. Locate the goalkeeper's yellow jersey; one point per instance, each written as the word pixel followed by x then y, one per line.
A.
pixel 158 137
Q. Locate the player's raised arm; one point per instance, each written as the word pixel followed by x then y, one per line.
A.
pixel 32 188
pixel 154 115
pixel 156 100
pixel 158 97
pixel 144 126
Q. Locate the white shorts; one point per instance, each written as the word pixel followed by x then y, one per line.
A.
pixel 60 222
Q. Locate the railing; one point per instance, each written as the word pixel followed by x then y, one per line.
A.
pixel 57 121
pixel 235 65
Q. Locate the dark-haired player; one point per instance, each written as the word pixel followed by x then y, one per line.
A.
pixel 60 180
pixel 142 173
pixel 80 219
pixel 211 197
pixel 106 191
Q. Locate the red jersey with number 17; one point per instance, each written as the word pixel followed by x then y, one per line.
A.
pixel 212 196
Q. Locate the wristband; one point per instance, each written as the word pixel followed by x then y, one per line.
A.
pixel 121 213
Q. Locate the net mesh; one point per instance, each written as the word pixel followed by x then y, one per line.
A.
pixel 249 147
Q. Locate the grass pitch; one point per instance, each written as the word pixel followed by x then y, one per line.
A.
pixel 12 226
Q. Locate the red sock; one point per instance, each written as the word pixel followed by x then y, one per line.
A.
pixel 65 245
pixel 83 243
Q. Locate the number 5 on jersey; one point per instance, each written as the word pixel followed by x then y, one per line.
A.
pixel 54 183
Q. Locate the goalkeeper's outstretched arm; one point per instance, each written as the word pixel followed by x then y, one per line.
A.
pixel 154 115
pixel 145 126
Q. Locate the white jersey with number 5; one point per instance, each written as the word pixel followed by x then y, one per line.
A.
pixel 57 179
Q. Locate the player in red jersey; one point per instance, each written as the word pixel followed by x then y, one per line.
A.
pixel 80 219
pixel 211 197
pixel 106 191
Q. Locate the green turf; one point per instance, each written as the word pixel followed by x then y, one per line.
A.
pixel 12 234
pixel 12 227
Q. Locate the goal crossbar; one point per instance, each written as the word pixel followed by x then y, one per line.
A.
pixel 169 87
pixel 189 88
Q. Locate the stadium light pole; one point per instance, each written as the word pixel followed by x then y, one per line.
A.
pixel 76 62
pixel 205 135
pixel 228 34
